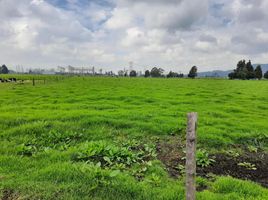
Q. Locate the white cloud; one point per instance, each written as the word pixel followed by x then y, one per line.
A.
pixel 121 18
pixel 134 37
pixel 172 33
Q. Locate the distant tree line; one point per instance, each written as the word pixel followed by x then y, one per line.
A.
pixel 172 74
pixel 245 70
pixel 154 72
pixel 159 72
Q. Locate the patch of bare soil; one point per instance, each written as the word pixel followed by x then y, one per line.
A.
pixel 226 165
pixel 9 195
pixel 170 152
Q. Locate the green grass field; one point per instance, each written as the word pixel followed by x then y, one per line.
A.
pixel 56 137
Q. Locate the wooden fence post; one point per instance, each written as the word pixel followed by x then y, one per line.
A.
pixel 190 155
pixel 33 82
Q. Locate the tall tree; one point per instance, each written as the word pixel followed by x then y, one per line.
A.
pixel 241 71
pixel 193 72
pixel 156 72
pixel 250 70
pixel 266 75
pixel 147 73
pixel 132 73
pixel 4 69
pixel 258 72
pixel 241 65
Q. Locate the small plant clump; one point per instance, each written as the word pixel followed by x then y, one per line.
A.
pixel 101 177
pixel 181 168
pixel 140 169
pixel 27 149
pixel 252 149
pixel 259 141
pixel 118 157
pixel 232 153
pixel 202 158
pixel 51 140
pixel 248 165
pixel 154 179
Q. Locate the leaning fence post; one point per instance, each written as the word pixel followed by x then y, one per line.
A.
pixel 190 155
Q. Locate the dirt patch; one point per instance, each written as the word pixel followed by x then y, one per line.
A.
pixel 170 152
pixel 226 165
pixel 8 194
pixel 200 188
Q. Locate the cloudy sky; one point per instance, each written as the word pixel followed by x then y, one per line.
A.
pixel 173 34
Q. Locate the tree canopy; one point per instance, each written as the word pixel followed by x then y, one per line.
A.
pixel 133 73
pixel 193 72
pixel 172 74
pixel 147 73
pixel 258 72
pixel 4 69
pixel 156 72
pixel 266 75
pixel 246 71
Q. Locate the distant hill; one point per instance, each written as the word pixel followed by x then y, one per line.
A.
pixel 220 73
pixel 215 73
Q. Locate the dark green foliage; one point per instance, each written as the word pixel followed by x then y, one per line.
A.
pixel 119 156
pixel 246 71
pixel 250 70
pixel 203 159
pixel 258 72
pixel 232 75
pixel 51 140
pixel 174 75
pixel 266 75
pixel 133 73
pixel 193 72
pixel 147 73
pixel 259 140
pixel 156 72
pixel 4 69
pixel 241 70
pixel 242 75
pixel 59 140
pixel 27 149
pixel 241 65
